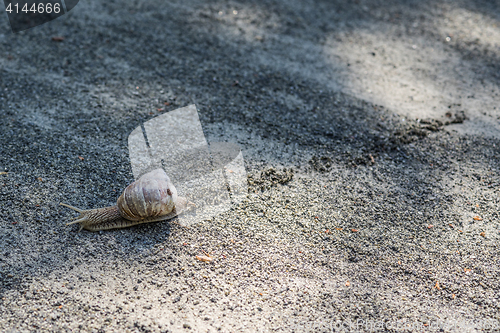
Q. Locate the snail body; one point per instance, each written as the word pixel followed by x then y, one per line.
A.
pixel 151 198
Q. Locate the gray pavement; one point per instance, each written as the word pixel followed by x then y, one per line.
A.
pixel 370 134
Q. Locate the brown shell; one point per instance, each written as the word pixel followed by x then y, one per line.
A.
pixel 151 195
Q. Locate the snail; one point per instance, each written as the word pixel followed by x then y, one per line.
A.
pixel 151 198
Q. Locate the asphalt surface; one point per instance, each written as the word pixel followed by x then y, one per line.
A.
pixel 371 140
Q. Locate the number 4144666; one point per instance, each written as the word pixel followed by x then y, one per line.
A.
pixel 35 8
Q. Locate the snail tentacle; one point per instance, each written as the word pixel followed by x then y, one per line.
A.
pixel 72 207
pixel 82 220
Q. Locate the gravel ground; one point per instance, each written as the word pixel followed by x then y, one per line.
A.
pixel 371 141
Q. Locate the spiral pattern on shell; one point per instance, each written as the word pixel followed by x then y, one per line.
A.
pixel 151 195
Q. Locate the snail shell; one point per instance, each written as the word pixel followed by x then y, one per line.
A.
pixel 151 198
pixel 151 195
